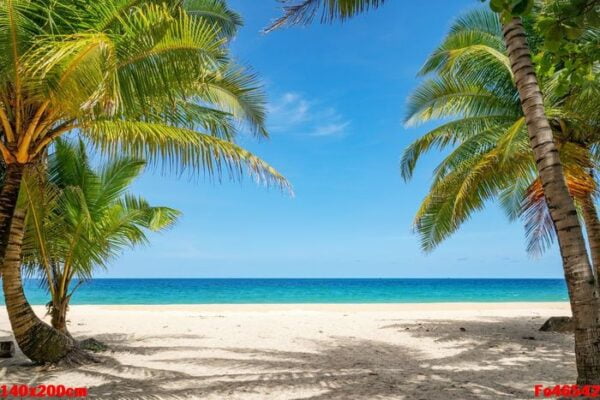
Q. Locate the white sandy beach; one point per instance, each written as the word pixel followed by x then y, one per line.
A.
pixel 375 351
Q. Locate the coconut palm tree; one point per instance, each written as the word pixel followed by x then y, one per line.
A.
pixel 579 275
pixel 152 79
pixel 485 128
pixel 79 218
pixel 578 271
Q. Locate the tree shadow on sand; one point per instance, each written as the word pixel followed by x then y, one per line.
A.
pixel 481 362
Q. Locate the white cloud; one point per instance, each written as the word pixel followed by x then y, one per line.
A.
pixel 291 112
pixel 331 129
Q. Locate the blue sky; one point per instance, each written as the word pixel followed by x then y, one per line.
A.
pixel 337 95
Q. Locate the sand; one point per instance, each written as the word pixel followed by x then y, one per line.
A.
pixel 375 351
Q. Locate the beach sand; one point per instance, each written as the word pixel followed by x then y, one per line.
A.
pixel 345 351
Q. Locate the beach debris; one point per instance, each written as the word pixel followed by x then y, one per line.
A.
pixel 462 329
pixel 7 349
pixel 558 324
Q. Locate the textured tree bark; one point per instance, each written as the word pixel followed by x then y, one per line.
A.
pixel 59 317
pixel 8 202
pixel 38 340
pixel 578 272
pixel 592 226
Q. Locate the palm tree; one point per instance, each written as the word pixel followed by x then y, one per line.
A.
pixel 579 275
pixel 152 79
pixel 80 218
pixel 485 128
pixel 578 272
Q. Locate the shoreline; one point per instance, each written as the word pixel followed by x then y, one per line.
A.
pixel 413 311
pixel 367 307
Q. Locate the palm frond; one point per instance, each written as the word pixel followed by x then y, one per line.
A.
pixel 179 148
pixel 447 97
pixel 539 227
pixel 81 217
pixel 238 93
pixel 217 13
pixel 448 135
pixel 303 12
pixel 454 198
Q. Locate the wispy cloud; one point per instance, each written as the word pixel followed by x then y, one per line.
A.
pixel 292 112
pixel 331 129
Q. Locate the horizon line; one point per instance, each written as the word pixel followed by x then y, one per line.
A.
pixel 329 278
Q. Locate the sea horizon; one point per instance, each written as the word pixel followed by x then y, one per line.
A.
pixel 165 291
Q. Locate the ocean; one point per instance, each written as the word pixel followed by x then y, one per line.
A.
pixel 289 291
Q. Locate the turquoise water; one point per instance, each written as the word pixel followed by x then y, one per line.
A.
pixel 248 291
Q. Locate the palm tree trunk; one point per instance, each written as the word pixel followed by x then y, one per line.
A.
pixel 59 317
pixel 592 226
pixel 36 339
pixel 8 202
pixel 578 272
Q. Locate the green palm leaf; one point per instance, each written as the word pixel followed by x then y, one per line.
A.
pixel 305 11
pixel 217 13
pixel 77 65
pixel 179 147
pixel 82 217
pixel 472 93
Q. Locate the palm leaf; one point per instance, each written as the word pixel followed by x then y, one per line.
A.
pixel 179 147
pixel 305 11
